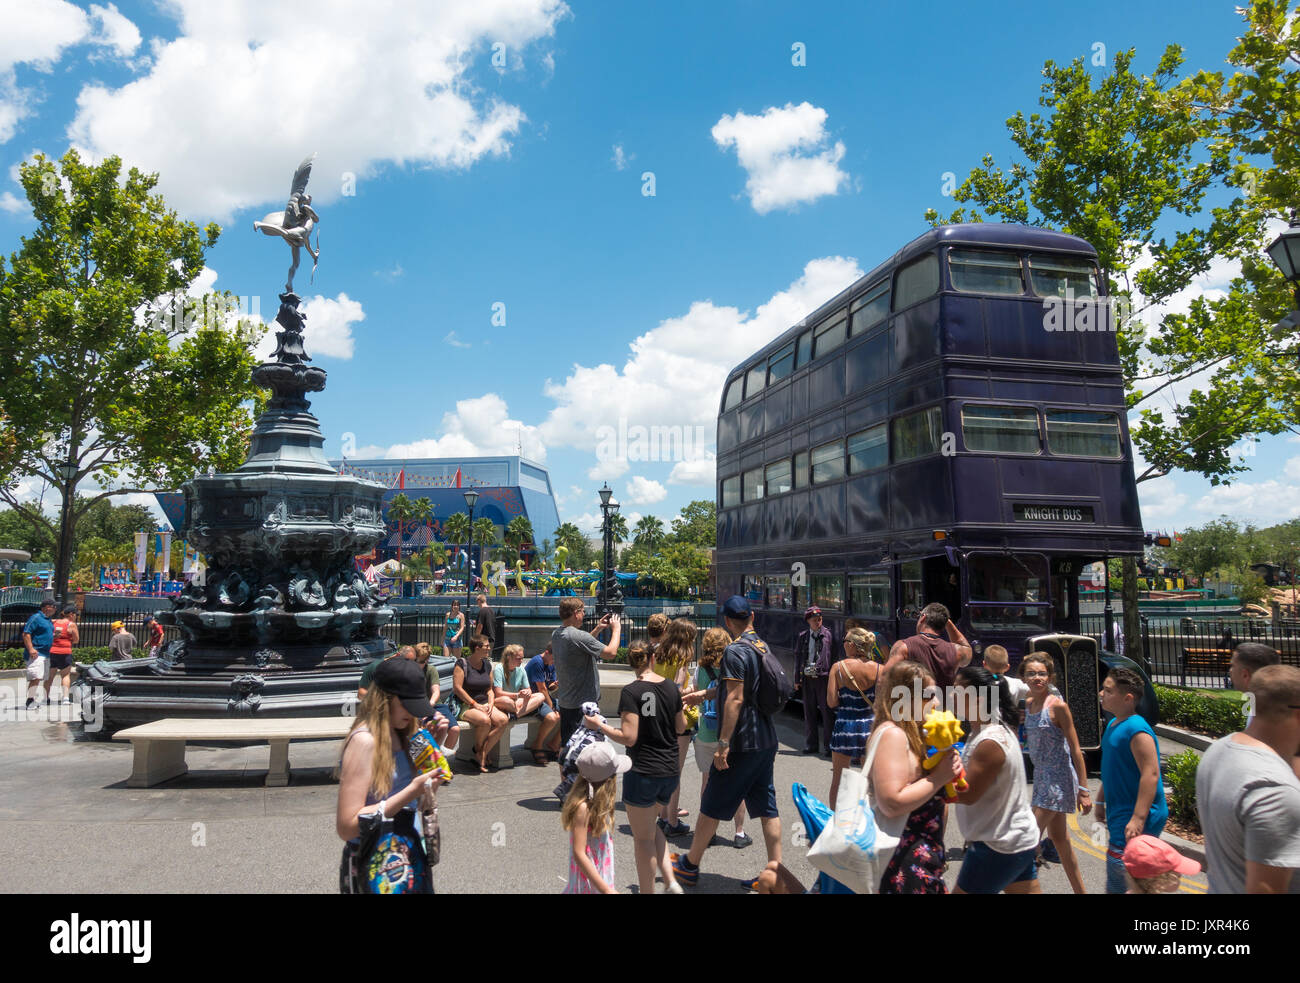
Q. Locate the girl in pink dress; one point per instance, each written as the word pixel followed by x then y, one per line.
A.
pixel 588 815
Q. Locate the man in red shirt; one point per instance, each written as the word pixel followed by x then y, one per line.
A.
pixel 941 656
pixel 155 636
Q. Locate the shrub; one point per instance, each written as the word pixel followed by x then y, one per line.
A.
pixel 1180 788
pixel 1213 715
pixel 17 658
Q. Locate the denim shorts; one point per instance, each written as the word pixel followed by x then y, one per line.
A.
pixel 447 712
pixel 985 871
pixel 643 791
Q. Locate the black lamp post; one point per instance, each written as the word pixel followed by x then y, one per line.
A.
pixel 1284 251
pixel 611 598
pixel 471 499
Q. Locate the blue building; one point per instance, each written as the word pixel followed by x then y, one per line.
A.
pixel 507 487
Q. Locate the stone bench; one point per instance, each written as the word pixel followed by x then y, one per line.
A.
pixel 159 747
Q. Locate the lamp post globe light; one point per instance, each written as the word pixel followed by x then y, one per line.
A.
pixel 1284 251
pixel 471 499
pixel 611 598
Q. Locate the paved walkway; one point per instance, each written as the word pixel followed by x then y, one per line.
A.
pixel 69 824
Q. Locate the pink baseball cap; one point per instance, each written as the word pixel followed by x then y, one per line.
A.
pixel 1146 856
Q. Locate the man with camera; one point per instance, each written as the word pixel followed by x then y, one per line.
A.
pixel 813 658
pixel 577 655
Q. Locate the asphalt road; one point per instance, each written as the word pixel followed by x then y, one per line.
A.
pixel 69 824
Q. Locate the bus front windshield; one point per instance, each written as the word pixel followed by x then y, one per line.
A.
pixel 1008 591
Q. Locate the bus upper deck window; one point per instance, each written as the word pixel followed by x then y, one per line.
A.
pixel 1058 276
pixel 916 281
pixel 731 491
pixel 803 354
pixel 1083 434
pixel 755 379
pixel 869 449
pixel 828 462
pixel 979 271
pixel 1000 429
pixel 752 485
pixel 917 434
pixel 735 394
pixel 782 364
pixel 830 335
pixel 778 477
pixel 871 308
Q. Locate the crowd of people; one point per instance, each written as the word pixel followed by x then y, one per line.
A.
pixel 859 705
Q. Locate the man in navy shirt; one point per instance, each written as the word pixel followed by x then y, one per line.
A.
pixel 38 636
pixel 540 670
pixel 742 769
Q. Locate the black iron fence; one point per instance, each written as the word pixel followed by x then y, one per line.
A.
pixel 94 628
pixel 1195 651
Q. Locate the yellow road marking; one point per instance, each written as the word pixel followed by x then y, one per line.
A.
pixel 1083 842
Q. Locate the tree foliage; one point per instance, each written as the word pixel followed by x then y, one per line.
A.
pixel 101 361
pixel 1117 164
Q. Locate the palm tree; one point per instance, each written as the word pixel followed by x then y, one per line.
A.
pixel 400 508
pixel 485 535
pixel 569 536
pixel 545 551
pixel 518 532
pixel 456 529
pixel 618 526
pixel 422 511
pixel 649 532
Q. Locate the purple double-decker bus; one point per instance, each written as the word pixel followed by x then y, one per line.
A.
pixel 949 428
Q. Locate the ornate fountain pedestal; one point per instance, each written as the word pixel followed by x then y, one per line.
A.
pixel 284 623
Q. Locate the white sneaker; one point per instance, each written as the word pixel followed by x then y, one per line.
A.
pixel 674 888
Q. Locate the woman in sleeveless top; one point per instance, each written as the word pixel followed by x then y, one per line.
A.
pixel 375 770
pixel 903 787
pixel 471 681
pixel 454 632
pixel 65 636
pixel 850 692
pixel 1060 775
pixel 993 812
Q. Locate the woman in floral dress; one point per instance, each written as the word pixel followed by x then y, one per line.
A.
pixel 903 787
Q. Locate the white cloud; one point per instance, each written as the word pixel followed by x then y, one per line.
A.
pixel 114 30
pixel 1244 498
pixel 643 491
pixel 674 374
pixel 786 154
pixel 621 159
pixel 36 34
pixel 478 427
pixel 12 204
pixel 1161 501
pixel 390 86
pixel 608 470
pixel 1292 468
pixel 329 324
pixel 455 342
pixel 701 471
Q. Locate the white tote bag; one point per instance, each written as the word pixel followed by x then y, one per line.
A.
pixel 857 844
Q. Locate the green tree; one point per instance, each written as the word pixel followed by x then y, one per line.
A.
pixel 102 366
pixel 649 531
pixel 485 534
pixel 401 508
pixel 1112 164
pixel 698 524
pixel 518 532
pixel 1215 546
pixel 456 530
pixel 422 510
pixel 618 526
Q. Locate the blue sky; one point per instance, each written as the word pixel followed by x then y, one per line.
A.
pixel 453 188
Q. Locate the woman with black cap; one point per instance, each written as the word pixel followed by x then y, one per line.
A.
pixel 377 771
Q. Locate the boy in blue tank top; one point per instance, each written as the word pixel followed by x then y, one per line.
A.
pixel 1131 800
